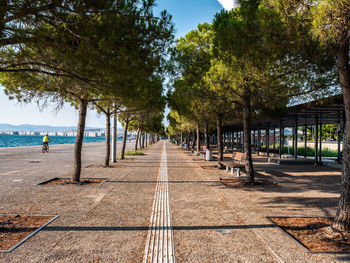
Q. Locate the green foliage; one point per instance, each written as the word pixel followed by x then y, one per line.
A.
pixel 134 153
pixel 125 46
pixel 310 151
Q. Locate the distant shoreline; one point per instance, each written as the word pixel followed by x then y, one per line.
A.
pixel 16 141
pixel 39 146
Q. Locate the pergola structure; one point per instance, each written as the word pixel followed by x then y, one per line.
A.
pixel 315 114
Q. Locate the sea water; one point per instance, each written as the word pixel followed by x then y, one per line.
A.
pixel 26 140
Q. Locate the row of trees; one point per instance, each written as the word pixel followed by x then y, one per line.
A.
pixel 107 55
pixel 253 61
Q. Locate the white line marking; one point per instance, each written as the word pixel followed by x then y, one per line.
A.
pixel 11 172
pixel 160 244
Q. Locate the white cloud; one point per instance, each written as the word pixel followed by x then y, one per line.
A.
pixel 228 4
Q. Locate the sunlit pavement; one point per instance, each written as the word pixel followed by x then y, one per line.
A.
pixel 204 220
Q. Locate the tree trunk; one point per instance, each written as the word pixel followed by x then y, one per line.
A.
pixel 206 137
pixel 122 154
pixel 198 140
pixel 108 138
pixel 79 140
pixel 143 140
pixel 137 138
pixel 181 138
pixel 219 139
pixel 140 139
pixel 247 139
pixel 342 218
pixel 187 141
pixel 146 139
pixel 194 140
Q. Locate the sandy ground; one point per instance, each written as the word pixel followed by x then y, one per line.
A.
pixel 110 223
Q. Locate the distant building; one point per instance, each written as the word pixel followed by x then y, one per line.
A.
pixel 91 134
pixel 101 134
pixel 60 133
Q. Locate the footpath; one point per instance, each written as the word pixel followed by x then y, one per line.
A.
pixel 160 207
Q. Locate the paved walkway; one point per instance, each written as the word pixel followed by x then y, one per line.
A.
pixel 160 207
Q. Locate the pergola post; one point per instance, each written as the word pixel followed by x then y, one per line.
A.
pixel 316 139
pixel 305 141
pixel 233 139
pixel 254 140
pixel 320 153
pixel 114 135
pixel 236 139
pixel 268 140
pixel 295 147
pixel 259 138
pixel 223 137
pixel 338 139
pixel 293 140
pixel 281 140
pixel 239 139
pixel 274 138
pixel 242 142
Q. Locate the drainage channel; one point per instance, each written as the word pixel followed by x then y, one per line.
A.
pixel 160 245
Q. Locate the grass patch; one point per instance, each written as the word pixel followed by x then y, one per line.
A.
pixel 133 153
pixel 311 152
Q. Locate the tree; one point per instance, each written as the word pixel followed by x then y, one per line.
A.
pixel 251 44
pixel 126 44
pixel 108 107
pixel 328 23
pixel 218 96
pixel 193 57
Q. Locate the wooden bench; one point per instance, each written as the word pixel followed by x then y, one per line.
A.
pixel 236 164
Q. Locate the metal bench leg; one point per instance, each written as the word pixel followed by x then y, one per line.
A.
pixel 226 168
pixel 238 172
pixel 231 170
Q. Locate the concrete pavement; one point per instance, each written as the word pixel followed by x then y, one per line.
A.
pixel 208 221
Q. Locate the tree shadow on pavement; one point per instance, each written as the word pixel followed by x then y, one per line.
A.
pixel 145 228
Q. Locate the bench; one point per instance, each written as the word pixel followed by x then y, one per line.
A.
pixel 236 164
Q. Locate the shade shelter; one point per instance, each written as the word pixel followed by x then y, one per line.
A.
pixel 266 129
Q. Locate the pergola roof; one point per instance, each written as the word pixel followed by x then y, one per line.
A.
pixel 328 111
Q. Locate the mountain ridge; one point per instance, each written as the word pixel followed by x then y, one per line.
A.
pixel 49 128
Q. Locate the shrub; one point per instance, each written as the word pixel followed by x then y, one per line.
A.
pixel 133 153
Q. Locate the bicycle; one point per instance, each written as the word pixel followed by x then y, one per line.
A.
pixel 45 148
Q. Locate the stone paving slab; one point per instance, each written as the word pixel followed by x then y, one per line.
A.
pixel 304 190
pixel 77 206
pixel 211 223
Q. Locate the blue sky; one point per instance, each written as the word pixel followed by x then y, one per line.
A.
pixel 186 16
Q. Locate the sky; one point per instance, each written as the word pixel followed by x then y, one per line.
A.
pixel 186 16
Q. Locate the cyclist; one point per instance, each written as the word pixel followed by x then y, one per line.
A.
pixel 46 141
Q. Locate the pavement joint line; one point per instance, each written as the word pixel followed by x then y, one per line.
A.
pixel 267 246
pixel 51 250
pixel 159 244
pixel 16 171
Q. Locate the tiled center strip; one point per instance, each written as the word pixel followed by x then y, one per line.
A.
pixel 160 245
